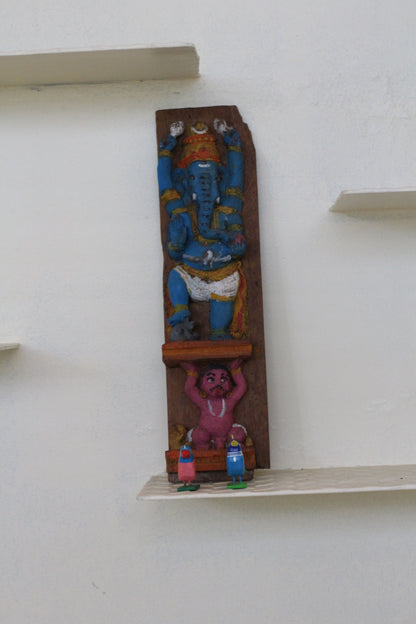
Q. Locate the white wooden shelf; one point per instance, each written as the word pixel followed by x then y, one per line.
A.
pixel 383 201
pixel 294 482
pixel 7 346
pixel 99 65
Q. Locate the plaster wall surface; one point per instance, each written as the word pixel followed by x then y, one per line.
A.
pixel 328 90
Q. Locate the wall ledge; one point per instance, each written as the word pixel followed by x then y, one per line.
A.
pixel 294 482
pixel 99 65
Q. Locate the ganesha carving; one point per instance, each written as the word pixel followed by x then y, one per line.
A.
pixel 205 234
pixel 212 291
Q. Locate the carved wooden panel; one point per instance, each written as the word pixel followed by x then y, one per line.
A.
pixel 251 411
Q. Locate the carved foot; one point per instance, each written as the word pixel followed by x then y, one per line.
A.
pixel 220 334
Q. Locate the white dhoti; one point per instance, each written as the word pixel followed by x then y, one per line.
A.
pixel 199 289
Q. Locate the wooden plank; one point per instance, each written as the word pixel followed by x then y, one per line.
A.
pixel 204 350
pixel 251 412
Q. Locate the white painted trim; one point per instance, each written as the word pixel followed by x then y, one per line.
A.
pixel 392 201
pixel 6 346
pixel 99 65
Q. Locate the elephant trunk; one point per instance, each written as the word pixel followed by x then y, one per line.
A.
pixel 205 214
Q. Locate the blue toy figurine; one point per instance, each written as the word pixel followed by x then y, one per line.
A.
pixel 235 465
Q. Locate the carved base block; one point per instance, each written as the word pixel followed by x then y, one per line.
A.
pixel 205 350
pixel 211 465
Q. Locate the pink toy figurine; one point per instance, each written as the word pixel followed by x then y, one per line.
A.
pixel 186 469
pixel 220 391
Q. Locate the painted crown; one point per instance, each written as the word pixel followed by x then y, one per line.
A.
pixel 199 144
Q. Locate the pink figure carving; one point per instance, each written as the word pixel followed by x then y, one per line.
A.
pixel 220 391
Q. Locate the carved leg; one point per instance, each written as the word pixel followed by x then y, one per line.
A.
pixel 201 438
pixel 219 442
pixel 179 297
pixel 220 317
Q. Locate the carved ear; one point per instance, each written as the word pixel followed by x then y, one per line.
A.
pixel 180 183
pixel 223 179
pixel 179 178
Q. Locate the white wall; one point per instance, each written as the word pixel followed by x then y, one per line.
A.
pixel 328 90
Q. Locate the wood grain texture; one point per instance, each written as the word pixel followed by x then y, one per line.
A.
pixel 252 409
pixel 210 460
pixel 205 350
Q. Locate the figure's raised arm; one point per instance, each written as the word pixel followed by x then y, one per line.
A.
pixel 239 380
pixel 170 197
pixel 235 165
pixel 192 376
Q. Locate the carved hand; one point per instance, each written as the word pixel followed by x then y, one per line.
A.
pixel 189 367
pixel 221 126
pixel 228 133
pixel 238 240
pixel 236 364
pixel 177 128
pixel 177 231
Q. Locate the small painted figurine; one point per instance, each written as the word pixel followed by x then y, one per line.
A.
pixel 235 465
pixel 220 391
pixel 205 234
pixel 186 469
